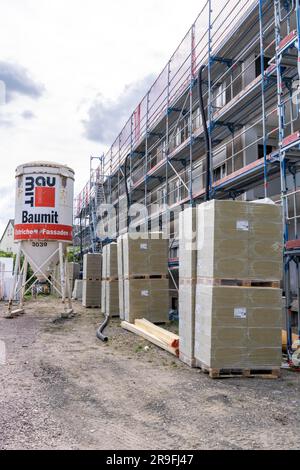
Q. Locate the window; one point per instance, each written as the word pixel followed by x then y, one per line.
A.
pixel 258 65
pixel 220 172
pixel 177 191
pixel 219 96
pixel 261 150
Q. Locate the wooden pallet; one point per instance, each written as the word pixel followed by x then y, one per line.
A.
pixel 93 306
pixel 187 281
pixel 238 283
pixel 243 373
pixel 146 277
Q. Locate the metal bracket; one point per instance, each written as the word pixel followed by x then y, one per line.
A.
pixel 222 60
pixel 177 110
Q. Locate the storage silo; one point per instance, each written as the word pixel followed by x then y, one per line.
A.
pixel 43 224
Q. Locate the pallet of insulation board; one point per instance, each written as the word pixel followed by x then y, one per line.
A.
pixel 160 337
pixel 187 284
pixel 148 298
pixel 73 273
pixel 145 256
pixel 110 298
pixel 92 267
pixel 121 277
pixel 91 294
pixel 239 240
pixel 238 329
pixel 77 291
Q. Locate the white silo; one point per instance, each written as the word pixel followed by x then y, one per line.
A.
pixel 43 225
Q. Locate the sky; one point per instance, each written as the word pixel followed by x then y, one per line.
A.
pixel 74 70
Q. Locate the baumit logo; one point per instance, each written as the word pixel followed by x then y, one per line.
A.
pixel 40 191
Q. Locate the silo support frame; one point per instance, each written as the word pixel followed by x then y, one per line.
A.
pixel 13 292
pixel 65 284
pixel 64 291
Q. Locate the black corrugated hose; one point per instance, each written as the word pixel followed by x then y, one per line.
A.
pixel 101 328
pixel 127 190
pixel 206 135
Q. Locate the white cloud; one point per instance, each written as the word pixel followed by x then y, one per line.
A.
pixel 18 81
pixel 106 118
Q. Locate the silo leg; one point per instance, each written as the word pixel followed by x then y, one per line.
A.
pixel 10 313
pixel 25 267
pixel 67 309
pixel 68 290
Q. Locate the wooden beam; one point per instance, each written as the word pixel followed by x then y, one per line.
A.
pixel 149 337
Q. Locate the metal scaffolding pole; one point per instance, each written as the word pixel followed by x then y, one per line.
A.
pixel 263 87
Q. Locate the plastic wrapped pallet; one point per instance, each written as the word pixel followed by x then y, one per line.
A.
pixel 239 240
pixel 112 261
pixel 77 291
pixel 92 276
pixel 92 266
pixel 238 328
pixel 103 296
pixel 187 284
pixel 146 298
pixel 91 294
pixel 73 273
pixel 121 277
pixel 56 288
pixel 104 262
pixel 112 298
pixel 145 255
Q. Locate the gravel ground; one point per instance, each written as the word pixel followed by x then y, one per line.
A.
pixel 63 389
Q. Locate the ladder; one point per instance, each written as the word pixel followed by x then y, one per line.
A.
pixel 98 197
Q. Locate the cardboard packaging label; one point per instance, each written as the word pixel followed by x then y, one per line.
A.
pixel 243 225
pixel 240 313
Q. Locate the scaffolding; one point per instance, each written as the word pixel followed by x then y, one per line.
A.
pixel 250 53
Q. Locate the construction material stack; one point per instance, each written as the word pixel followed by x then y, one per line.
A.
pixel 238 298
pixel 187 284
pixel 55 279
pixel 110 281
pixel 144 270
pixel 92 276
pixel 121 277
pixel 77 291
pixel 73 273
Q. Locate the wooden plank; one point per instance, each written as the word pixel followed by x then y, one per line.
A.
pixel 164 335
pixel 149 337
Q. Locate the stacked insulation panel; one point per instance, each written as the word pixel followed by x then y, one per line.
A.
pixel 121 278
pixel 92 275
pixel 110 282
pixel 187 284
pixel 77 291
pixel 238 300
pixel 73 273
pixel 56 282
pixel 143 275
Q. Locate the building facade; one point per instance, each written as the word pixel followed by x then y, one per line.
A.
pixel 7 244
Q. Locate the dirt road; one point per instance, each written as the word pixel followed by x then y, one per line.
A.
pixel 63 389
